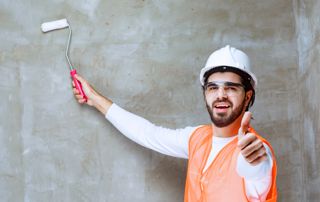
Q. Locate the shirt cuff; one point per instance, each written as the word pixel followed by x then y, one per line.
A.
pixel 112 110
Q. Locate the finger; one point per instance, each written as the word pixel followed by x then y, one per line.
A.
pixel 254 146
pixel 245 122
pixel 246 140
pixel 81 100
pixel 255 155
pixel 75 91
pixel 259 160
pixel 79 97
pixel 73 85
pixel 79 78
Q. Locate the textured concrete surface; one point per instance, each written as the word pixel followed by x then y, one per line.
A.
pixel 308 39
pixel 146 56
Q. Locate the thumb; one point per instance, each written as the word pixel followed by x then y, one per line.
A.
pixel 79 78
pixel 83 82
pixel 245 123
pixel 85 85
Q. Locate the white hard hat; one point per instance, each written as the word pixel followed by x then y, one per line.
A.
pixel 229 57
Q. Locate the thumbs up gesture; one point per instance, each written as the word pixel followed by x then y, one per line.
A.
pixel 251 147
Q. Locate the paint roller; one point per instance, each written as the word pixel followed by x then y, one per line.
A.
pixel 61 24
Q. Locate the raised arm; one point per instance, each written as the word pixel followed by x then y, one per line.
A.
pixel 172 142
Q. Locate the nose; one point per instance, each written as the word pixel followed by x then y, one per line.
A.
pixel 221 93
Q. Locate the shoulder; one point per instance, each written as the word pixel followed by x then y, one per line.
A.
pixel 200 135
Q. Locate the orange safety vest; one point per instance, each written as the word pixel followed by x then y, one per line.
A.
pixel 220 182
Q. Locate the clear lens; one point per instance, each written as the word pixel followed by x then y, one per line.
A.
pixel 224 87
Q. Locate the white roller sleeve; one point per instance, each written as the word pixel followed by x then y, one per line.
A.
pixel 58 24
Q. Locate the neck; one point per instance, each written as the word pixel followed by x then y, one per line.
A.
pixel 228 131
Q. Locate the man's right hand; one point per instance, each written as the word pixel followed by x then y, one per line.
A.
pixel 87 89
pixel 93 97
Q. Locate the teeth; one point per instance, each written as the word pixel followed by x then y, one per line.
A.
pixel 222 106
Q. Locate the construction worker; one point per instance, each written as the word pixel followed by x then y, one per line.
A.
pixel 227 160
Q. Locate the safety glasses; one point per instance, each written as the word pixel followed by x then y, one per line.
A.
pixel 230 89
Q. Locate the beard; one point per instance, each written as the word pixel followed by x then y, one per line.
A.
pixel 223 120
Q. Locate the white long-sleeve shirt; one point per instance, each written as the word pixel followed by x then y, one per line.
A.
pixel 175 142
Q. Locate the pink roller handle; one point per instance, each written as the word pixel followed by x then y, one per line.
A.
pixel 78 84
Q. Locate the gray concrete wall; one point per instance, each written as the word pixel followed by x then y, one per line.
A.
pixel 146 56
pixel 308 39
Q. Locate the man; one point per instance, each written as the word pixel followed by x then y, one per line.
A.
pixel 227 160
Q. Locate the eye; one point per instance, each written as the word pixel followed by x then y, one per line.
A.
pixel 212 87
pixel 231 88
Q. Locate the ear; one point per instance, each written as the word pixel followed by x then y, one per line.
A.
pixel 248 97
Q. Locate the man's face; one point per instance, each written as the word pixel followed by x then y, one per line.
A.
pixel 225 98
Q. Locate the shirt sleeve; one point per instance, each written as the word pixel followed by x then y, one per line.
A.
pixel 257 178
pixel 172 142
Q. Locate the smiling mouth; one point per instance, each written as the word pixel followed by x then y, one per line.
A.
pixel 221 106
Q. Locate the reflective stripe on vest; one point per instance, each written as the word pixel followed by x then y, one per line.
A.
pixel 220 182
